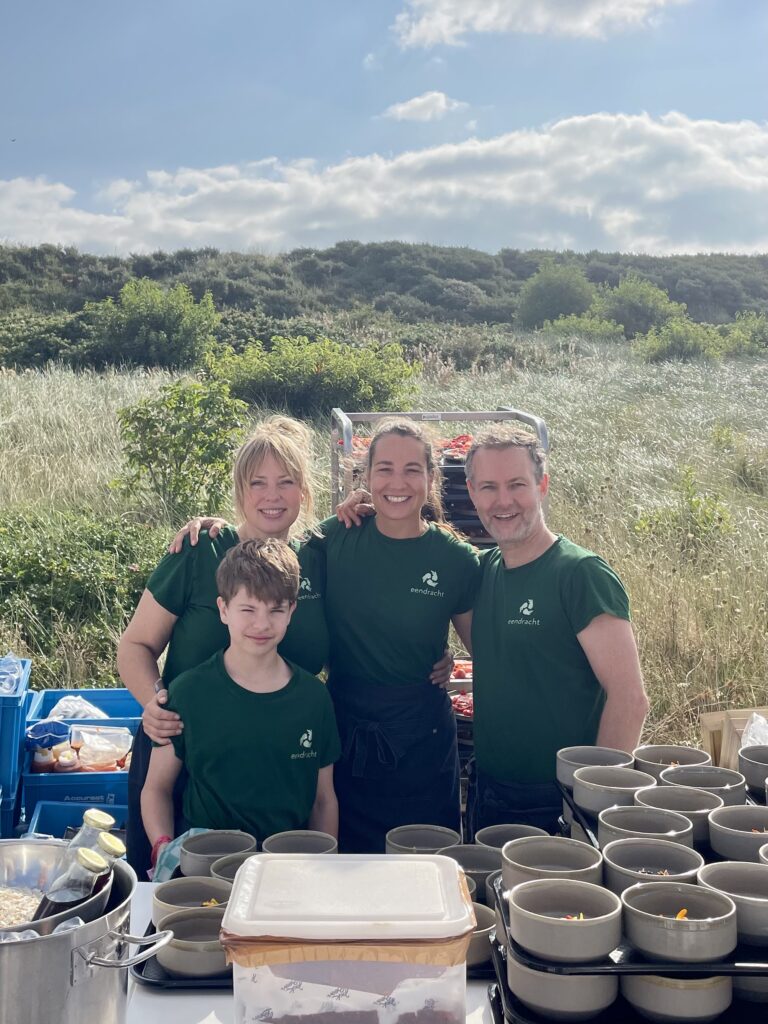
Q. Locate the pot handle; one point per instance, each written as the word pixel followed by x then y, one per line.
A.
pixel 158 940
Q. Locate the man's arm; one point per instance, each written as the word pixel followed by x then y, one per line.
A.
pixel 325 810
pixel 609 644
pixel 157 794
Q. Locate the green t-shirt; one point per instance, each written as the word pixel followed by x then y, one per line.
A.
pixel 535 691
pixel 252 758
pixel 389 602
pixel 185 585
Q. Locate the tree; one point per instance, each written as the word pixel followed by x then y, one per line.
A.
pixel 638 305
pixel 553 292
pixel 149 326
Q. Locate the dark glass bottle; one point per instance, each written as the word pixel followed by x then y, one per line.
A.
pixel 74 885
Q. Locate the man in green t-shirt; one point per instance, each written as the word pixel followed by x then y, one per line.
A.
pixel 259 737
pixel 555 659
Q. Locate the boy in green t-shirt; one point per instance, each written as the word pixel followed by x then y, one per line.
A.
pixel 259 738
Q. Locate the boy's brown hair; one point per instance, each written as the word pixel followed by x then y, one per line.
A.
pixel 268 569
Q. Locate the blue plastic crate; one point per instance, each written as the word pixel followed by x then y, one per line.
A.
pixel 53 818
pixel 13 708
pixel 10 812
pixel 119 704
pixel 90 788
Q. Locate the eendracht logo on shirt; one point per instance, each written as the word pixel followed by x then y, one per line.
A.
pixel 429 578
pixel 526 612
pixel 305 590
pixel 305 742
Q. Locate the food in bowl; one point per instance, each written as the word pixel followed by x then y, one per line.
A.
pixel 17 905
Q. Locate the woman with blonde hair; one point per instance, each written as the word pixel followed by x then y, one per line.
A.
pixel 274 497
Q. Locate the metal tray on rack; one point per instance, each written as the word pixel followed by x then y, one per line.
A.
pixel 625 959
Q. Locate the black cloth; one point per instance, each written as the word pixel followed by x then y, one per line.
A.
pixel 492 802
pixel 399 763
pixel 138 850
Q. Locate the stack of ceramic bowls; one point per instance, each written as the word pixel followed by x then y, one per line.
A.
pixel 747 885
pixel 478 863
pixel 569 759
pixel 682 923
pixel 563 921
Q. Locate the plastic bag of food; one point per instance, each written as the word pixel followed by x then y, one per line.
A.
pixel 755 732
pixel 46 734
pixel 11 671
pixel 101 747
pixel 75 707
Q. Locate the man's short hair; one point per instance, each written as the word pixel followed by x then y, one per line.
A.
pixel 267 569
pixel 501 437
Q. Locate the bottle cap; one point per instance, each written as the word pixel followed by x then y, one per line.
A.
pixel 111 844
pixel 91 860
pixel 94 818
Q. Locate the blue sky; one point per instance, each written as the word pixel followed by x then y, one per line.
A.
pixel 614 123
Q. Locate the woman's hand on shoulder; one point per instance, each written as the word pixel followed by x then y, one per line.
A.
pixel 212 524
pixel 355 507
pixel 160 724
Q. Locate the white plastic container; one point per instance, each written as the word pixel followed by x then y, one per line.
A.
pixel 385 937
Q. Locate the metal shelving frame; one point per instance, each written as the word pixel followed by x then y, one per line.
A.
pixel 343 424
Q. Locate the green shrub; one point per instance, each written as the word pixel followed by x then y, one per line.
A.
pixel 68 583
pixel 585 327
pixel 694 521
pixel 680 339
pixel 178 446
pixel 29 340
pixel 556 290
pixel 748 335
pixel 636 304
pixel 308 377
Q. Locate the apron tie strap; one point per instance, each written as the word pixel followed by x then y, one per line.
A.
pixel 364 736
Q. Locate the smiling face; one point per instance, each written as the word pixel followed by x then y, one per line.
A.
pixel 507 496
pixel 271 500
pixel 398 479
pixel 256 627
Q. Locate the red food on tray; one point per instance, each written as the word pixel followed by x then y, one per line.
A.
pixel 463 704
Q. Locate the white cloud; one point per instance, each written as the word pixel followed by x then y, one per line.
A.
pixel 370 62
pixel 604 181
pixel 430 106
pixel 433 22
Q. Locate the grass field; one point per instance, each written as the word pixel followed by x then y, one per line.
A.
pixel 661 469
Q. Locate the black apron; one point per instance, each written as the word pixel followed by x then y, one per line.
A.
pixel 492 802
pixel 399 763
pixel 138 850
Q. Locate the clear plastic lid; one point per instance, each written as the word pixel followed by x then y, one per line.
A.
pixel 348 897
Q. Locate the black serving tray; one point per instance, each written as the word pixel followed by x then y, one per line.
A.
pixel 506 1008
pixel 152 974
pixel 625 959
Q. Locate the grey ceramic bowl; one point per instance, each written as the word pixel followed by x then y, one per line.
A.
pixel 420 839
pixel 747 886
pixel 708 931
pixel 300 841
pixel 550 857
pixel 479 951
pixel 187 894
pixel 753 765
pixel 655 757
pixel 478 862
pixel 644 823
pixel 595 789
pixel 562 996
pixel 763 854
pixel 723 782
pixel 198 852
pixel 668 1000
pixel 695 804
pixel 629 861
pixel 497 835
pixel 227 867
pixel 489 882
pixel 737 833
pixel 568 759
pixel 195 950
pixel 538 920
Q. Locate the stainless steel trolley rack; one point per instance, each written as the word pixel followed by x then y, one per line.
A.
pixel 458 508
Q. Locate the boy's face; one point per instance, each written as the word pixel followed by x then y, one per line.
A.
pixel 255 627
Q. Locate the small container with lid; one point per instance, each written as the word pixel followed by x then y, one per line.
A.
pixel 382 937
